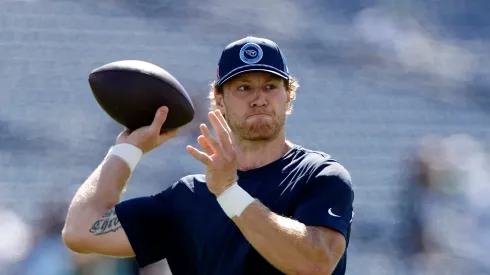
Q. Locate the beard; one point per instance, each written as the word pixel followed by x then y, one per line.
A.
pixel 256 128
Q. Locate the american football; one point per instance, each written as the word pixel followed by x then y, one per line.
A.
pixel 131 91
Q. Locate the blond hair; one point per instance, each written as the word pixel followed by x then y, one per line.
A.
pixel 291 86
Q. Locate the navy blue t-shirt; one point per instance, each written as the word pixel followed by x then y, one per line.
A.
pixel 185 224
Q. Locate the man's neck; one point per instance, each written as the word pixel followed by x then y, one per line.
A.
pixel 255 154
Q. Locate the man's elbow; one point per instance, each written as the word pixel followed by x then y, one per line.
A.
pixel 325 263
pixel 318 268
pixel 323 269
pixel 327 255
pixel 74 241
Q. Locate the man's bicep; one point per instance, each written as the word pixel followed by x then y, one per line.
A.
pixel 107 237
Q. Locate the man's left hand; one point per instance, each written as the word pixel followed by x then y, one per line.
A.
pixel 219 156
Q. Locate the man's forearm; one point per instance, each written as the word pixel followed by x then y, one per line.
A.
pixel 100 192
pixel 109 181
pixel 289 245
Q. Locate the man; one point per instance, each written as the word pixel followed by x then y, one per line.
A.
pixel 264 206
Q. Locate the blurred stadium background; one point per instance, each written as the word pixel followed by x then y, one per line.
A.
pixel 397 91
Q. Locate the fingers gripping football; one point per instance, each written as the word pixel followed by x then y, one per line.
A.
pixel 149 137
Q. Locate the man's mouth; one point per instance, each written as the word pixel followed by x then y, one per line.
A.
pixel 259 114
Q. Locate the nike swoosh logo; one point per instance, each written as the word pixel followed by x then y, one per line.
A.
pixel 331 213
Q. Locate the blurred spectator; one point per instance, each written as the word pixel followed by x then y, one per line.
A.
pixel 15 239
pixel 448 211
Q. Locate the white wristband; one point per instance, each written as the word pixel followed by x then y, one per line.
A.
pixel 127 152
pixel 234 200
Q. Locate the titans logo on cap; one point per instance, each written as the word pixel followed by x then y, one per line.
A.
pixel 251 53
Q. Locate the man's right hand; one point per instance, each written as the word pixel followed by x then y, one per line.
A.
pixel 149 137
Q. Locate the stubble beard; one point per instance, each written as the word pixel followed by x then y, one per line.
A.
pixel 262 129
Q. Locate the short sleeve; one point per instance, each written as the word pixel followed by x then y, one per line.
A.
pixel 146 221
pixel 327 200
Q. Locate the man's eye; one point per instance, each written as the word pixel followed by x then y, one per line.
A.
pixel 270 87
pixel 243 88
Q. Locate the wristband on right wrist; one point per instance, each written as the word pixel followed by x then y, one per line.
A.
pixel 128 153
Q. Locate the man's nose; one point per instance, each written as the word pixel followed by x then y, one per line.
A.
pixel 260 98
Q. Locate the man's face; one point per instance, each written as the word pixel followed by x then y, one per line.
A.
pixel 254 105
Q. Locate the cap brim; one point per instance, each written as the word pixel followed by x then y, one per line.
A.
pixel 252 68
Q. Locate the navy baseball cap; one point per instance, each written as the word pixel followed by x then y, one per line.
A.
pixel 251 54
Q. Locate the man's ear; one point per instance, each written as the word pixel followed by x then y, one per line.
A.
pixel 288 92
pixel 218 97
